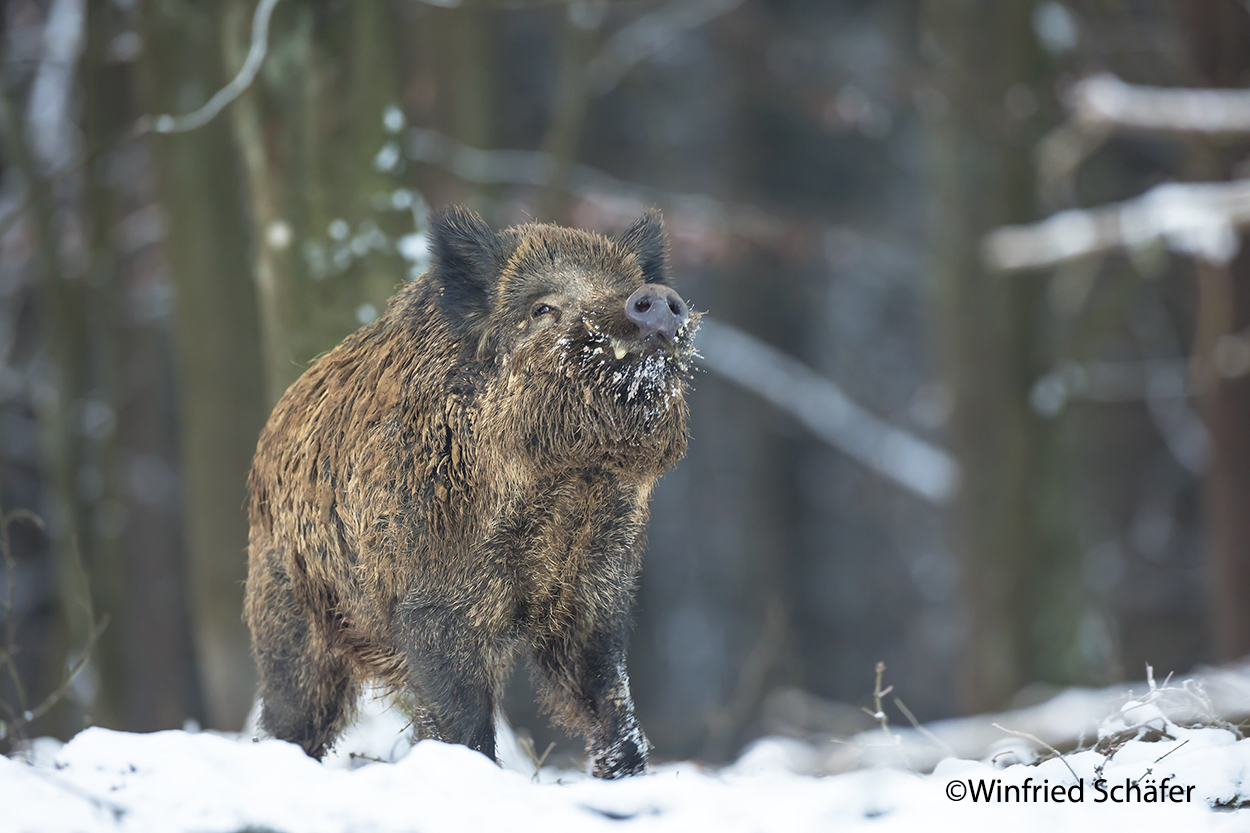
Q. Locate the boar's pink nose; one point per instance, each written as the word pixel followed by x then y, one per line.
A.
pixel 657 309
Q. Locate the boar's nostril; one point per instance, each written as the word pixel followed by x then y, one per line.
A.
pixel 658 310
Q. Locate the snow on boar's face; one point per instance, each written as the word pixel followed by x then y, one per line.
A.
pixel 589 348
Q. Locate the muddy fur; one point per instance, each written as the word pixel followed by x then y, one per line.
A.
pixel 466 479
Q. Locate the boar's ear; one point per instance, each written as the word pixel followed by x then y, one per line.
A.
pixel 468 257
pixel 648 240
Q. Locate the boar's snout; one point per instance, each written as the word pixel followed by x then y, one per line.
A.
pixel 658 311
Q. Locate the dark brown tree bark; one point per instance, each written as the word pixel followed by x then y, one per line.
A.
pixel 133 555
pixel 216 345
pixel 1218 32
pixel 1019 583
pixel 319 167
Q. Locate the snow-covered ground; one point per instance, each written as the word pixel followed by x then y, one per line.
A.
pixel 201 781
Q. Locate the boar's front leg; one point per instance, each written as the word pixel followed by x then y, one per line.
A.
pixel 452 669
pixel 585 685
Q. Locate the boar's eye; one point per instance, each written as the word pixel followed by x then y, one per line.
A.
pixel 540 310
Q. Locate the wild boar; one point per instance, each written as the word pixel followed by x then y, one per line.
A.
pixel 467 478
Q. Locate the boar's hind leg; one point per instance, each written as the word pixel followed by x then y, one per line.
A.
pixel 307 690
pixel 456 677
pixel 585 686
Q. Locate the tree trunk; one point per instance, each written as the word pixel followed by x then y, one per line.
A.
pixel 148 678
pixel 221 390
pixel 1219 41
pixel 310 132
pixel 1011 526
pixel 62 324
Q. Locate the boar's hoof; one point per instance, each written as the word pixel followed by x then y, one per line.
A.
pixel 624 758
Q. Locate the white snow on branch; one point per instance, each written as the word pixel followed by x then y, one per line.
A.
pixel 1195 218
pixel 919 466
pixel 1104 102
pixel 247 73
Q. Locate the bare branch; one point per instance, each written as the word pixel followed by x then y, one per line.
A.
pixel 27 715
pixel 925 469
pixel 1105 103
pixel 928 733
pixel 10 602
pixel 243 80
pixel 878 709
pixel 57 694
pixel 1041 743
pixel 538 168
pixel 1196 218
pixel 649 35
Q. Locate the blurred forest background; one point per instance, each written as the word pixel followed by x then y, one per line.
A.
pixel 999 463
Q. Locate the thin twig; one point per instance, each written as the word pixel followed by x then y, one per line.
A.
pixel 1173 749
pixel 1040 742
pixel 60 691
pixel 878 713
pixel 725 723
pixel 928 733
pixel 30 715
pixel 247 73
pixel 538 763
pixel 10 610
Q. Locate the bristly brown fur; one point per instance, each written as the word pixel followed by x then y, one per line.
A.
pixel 466 477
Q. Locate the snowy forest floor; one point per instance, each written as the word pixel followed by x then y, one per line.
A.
pixel 1165 756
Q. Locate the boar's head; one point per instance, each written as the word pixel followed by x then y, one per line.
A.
pixel 585 349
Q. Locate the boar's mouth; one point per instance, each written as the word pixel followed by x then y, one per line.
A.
pixel 631 366
pixel 681 346
pixel 641 367
pixel 628 344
